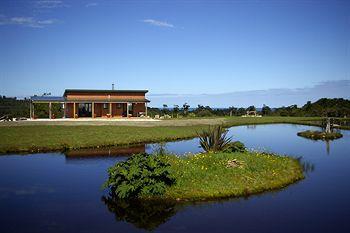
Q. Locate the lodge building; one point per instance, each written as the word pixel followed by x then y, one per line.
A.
pixel 78 103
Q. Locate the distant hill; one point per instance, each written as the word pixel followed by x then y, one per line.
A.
pixel 337 107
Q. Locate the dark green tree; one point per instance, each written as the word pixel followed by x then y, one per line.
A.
pixel 185 108
pixel 176 110
pixel 251 108
pixel 266 110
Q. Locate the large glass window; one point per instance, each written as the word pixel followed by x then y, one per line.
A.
pixel 85 110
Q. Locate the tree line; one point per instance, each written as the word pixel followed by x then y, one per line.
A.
pixel 337 107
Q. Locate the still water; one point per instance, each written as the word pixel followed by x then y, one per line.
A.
pixel 55 192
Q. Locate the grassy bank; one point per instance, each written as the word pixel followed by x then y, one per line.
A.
pixel 49 138
pixel 206 176
pixel 43 137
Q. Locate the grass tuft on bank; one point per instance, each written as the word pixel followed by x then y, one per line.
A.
pixel 207 176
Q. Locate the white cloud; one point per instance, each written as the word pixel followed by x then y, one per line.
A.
pixel 27 21
pixel 91 4
pixel 49 4
pixel 158 23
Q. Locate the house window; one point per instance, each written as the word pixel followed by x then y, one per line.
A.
pixel 130 105
pixel 119 106
pixel 105 106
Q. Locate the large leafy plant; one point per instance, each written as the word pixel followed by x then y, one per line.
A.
pixel 214 139
pixel 236 146
pixel 140 175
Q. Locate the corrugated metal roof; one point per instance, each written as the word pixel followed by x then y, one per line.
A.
pixel 47 98
pixel 62 99
pixel 101 91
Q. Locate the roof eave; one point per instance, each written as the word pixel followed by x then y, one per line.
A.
pixel 101 91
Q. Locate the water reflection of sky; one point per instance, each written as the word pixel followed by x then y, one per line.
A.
pixel 56 192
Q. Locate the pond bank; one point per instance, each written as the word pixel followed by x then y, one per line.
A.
pixel 36 196
pixel 45 138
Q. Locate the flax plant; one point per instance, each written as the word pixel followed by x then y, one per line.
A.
pixel 214 139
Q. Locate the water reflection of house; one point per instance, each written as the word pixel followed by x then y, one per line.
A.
pixel 96 103
pixel 105 152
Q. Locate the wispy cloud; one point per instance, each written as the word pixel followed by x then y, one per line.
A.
pixel 49 4
pixel 271 97
pixel 91 4
pixel 158 23
pixel 26 21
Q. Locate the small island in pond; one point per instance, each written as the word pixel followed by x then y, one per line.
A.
pixel 327 134
pixel 225 169
pixel 318 135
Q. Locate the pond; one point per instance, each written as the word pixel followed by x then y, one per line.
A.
pixel 55 192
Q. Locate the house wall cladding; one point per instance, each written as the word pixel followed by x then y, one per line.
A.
pixel 106 97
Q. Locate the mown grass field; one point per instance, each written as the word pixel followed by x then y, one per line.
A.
pixel 206 176
pixel 47 136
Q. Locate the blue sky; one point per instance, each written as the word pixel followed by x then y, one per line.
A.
pixel 187 48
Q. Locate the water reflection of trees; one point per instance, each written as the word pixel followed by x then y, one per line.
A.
pixel 307 167
pixel 251 126
pixel 160 149
pixel 143 214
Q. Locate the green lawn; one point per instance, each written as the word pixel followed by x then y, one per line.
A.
pixel 35 138
pixel 206 176
pixel 48 138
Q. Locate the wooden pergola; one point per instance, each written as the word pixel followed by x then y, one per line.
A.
pixel 46 100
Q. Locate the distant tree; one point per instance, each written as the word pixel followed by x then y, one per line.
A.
pixel 308 105
pixel 185 108
pixel 176 110
pixel 266 110
pixel 240 111
pixel 13 107
pixel 232 111
pixel 165 110
pixel 251 108
pixel 202 111
pixel 154 111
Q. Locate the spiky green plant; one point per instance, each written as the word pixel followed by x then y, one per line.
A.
pixel 214 139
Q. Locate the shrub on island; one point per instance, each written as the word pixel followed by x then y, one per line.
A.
pixel 236 146
pixel 141 174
